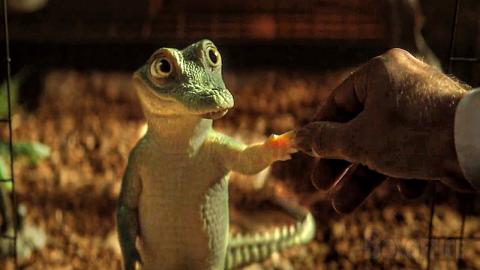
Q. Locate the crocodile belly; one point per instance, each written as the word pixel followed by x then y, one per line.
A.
pixel 172 239
pixel 215 217
pixel 185 233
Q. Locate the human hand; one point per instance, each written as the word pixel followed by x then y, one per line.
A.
pixel 393 117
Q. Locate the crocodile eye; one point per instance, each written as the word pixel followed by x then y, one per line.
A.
pixel 213 57
pixel 161 68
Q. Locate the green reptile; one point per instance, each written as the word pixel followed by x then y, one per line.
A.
pixel 173 205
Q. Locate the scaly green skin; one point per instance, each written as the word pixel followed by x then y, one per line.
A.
pixel 173 204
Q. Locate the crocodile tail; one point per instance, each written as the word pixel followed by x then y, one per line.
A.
pixel 244 249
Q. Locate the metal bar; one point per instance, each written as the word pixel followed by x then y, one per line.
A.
pixel 464 59
pixel 449 70
pixel 5 180
pixel 474 238
pixel 467 202
pixel 430 225
pixel 453 35
pixel 462 234
pixel 10 132
pixel 4 120
pixel 9 237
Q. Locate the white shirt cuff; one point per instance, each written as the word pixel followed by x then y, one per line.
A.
pixel 467 136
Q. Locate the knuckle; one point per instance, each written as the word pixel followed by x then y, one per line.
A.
pixel 390 60
pixel 328 142
pixel 379 64
pixel 397 54
pixel 353 149
pixel 355 143
pixel 318 142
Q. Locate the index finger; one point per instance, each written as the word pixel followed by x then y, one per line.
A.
pixel 347 99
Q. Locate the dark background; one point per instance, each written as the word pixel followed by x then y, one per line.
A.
pixel 117 34
pixel 314 35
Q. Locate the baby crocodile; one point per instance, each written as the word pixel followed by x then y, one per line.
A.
pixel 173 205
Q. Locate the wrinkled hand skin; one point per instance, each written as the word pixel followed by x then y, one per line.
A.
pixel 394 116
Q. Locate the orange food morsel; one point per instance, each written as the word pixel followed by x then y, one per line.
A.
pixel 283 140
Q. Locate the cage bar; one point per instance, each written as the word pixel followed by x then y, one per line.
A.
pixel 466 201
pixel 464 59
pixel 10 132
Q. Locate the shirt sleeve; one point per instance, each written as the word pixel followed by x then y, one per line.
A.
pixel 467 136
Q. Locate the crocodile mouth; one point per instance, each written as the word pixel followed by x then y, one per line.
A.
pixel 214 114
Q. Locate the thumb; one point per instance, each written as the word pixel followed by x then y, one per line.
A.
pixel 327 140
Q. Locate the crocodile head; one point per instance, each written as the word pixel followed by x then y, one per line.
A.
pixel 184 82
